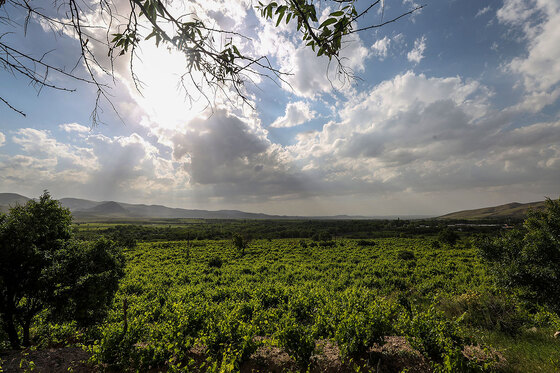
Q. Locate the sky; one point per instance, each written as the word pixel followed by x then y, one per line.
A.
pixel 454 107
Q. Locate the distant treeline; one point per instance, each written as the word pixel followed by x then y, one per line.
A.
pixel 318 230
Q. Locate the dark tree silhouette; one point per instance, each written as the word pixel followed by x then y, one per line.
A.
pixel 43 269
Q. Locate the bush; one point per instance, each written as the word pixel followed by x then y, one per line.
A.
pixel 406 255
pixel 298 341
pixel 215 262
pixel 360 329
pixel 529 259
pixel 448 236
pixel 366 243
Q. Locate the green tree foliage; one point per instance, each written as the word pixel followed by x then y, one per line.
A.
pixel 42 269
pixel 528 259
pixel 448 236
pixel 240 242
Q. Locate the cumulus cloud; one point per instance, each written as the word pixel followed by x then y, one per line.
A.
pixel 417 53
pixel 310 76
pixel 2 139
pixel 226 154
pixel 296 113
pixel 381 47
pixel 415 133
pixel 74 127
pixel 99 167
pixel 539 68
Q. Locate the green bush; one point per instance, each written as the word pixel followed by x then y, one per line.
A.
pixel 360 329
pixel 215 262
pixel 406 255
pixel 528 260
pixel 298 340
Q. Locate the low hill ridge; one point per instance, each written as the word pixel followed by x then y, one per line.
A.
pixel 509 210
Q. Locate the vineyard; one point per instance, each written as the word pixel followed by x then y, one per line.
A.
pixel 203 306
pixel 417 302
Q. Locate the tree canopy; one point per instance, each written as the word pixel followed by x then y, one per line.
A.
pixel 113 29
pixel 43 270
pixel 528 259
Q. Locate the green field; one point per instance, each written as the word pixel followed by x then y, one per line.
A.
pixel 201 305
pixel 330 303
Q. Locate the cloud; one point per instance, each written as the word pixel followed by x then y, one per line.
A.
pixel 539 68
pixel 381 47
pixel 227 157
pixel 40 144
pixel 483 11
pixel 417 53
pixel 74 127
pixel 310 76
pixel 2 139
pixel 296 113
pixel 100 167
pixel 415 133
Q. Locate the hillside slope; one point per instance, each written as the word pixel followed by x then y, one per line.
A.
pixel 509 210
pixel 8 200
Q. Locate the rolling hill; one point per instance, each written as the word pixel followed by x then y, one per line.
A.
pixel 87 210
pixel 83 209
pixel 509 210
pixel 8 200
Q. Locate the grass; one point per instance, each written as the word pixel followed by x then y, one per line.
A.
pixel 531 351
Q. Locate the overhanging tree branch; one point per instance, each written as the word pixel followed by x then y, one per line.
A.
pixel 212 58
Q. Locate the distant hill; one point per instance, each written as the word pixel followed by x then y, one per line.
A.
pixel 86 210
pixel 75 204
pixel 8 200
pixel 83 209
pixel 510 210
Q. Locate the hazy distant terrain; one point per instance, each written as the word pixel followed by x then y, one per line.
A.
pixel 83 209
pixel 510 210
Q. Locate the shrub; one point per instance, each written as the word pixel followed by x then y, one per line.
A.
pixel 360 329
pixel 215 262
pixel 448 236
pixel 366 243
pixel 298 341
pixel 529 259
pixel 406 255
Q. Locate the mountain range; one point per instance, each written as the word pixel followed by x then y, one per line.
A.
pixel 83 209
pixel 86 210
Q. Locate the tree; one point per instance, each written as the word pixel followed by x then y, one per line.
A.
pixel 528 259
pixel 43 269
pixel 448 236
pixel 240 242
pixel 212 56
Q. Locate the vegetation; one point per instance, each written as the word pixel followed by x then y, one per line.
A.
pixel 528 259
pixel 43 271
pixel 198 305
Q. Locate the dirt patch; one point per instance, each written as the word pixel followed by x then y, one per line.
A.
pixel 52 360
pixel 393 356
pixel 477 353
